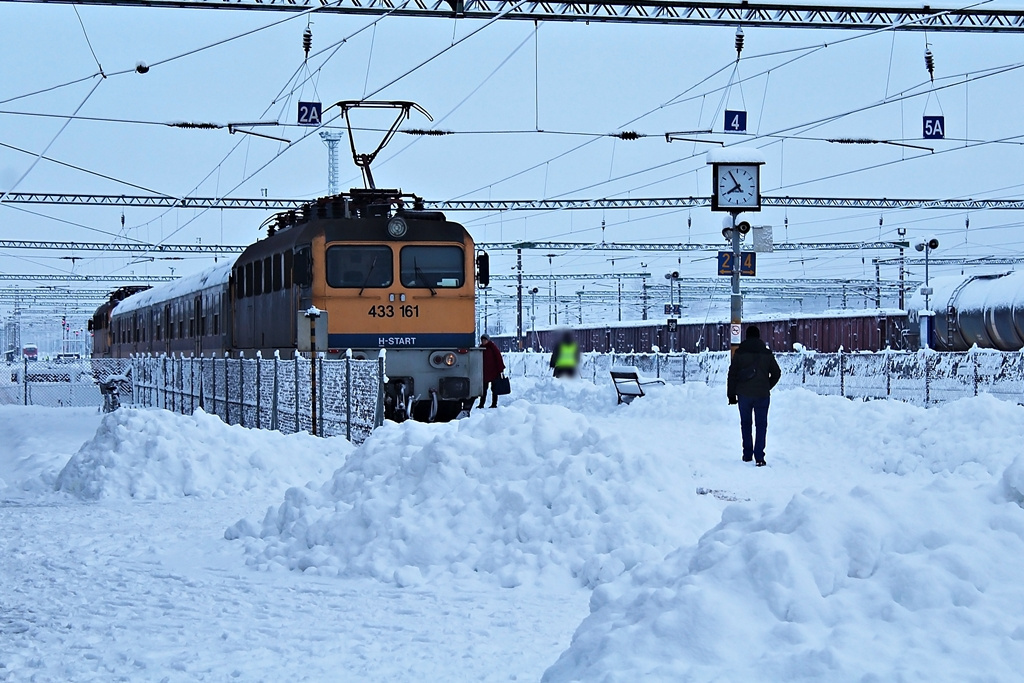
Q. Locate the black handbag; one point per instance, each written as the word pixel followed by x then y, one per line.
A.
pixel 501 386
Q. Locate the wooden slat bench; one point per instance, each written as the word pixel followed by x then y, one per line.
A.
pixel 629 383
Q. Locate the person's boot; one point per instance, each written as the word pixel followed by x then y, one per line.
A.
pixel 494 404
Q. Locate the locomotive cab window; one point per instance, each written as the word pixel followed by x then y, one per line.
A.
pixel 433 267
pixel 360 266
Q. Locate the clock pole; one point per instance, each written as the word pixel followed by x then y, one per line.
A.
pixel 736 307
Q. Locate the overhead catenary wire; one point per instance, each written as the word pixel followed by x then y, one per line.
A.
pixel 806 50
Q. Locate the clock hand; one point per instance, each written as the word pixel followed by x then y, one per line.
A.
pixel 736 186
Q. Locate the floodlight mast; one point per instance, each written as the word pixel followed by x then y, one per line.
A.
pixel 363 161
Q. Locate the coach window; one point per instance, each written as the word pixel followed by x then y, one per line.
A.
pixel 288 269
pixel 277 273
pixel 433 267
pixel 257 277
pixel 268 276
pixel 239 283
pixel 360 266
pixel 248 279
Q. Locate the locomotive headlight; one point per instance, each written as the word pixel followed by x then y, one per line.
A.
pixel 397 227
pixel 443 360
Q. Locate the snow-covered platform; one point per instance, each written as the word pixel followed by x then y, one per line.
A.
pixel 560 536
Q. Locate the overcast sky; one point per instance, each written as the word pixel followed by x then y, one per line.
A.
pixel 511 76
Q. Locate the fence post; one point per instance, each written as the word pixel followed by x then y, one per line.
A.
pixel 320 395
pixel 295 368
pixel 213 382
pixel 273 405
pixel 842 373
pixel 163 379
pixel 888 372
pixel 378 418
pixel 974 358
pixel 24 380
pixel 657 365
pixel 259 420
pixel 227 391
pixel 685 356
pixel 202 384
pixel 927 377
pixel 241 389
pixel 348 399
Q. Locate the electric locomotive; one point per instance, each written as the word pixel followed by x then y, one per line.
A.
pixel 391 277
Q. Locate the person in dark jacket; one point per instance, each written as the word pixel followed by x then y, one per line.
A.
pixel 494 365
pixel 753 374
pixel 566 356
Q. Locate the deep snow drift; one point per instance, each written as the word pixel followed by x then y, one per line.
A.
pixel 883 542
pixel 513 492
pixel 156 455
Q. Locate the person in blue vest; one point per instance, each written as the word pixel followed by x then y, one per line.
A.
pixel 753 373
pixel 566 356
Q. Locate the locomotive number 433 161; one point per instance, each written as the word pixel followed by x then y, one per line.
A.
pixel 389 311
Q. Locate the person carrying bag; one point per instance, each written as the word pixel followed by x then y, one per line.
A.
pixel 494 369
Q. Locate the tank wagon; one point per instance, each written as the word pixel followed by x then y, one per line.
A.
pixel 389 275
pixel 987 310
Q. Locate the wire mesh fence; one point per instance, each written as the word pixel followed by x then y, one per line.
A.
pixel 268 393
pixel 63 383
pixel 921 377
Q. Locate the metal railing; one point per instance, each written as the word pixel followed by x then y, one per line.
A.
pixel 921 377
pixel 268 393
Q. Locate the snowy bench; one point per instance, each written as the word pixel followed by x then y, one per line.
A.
pixel 629 383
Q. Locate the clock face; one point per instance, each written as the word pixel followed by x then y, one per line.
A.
pixel 737 186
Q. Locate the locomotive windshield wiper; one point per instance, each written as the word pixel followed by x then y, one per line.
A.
pixel 368 274
pixel 419 274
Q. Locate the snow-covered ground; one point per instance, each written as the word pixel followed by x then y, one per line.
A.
pixel 559 536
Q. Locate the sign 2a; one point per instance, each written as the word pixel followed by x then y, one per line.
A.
pixel 310 113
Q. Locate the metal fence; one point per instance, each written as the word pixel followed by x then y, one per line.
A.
pixel 65 383
pixel 268 393
pixel 921 377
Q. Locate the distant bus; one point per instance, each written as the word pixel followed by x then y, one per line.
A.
pixel 30 351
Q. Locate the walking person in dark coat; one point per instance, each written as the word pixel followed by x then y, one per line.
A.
pixel 753 374
pixel 494 365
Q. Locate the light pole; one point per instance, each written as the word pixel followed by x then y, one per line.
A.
pixel 533 315
pixel 927 315
pixel 643 290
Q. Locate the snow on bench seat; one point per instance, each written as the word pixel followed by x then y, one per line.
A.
pixel 629 382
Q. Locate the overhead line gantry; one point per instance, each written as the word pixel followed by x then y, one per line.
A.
pixel 493 205
pixel 669 12
pixel 141 248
